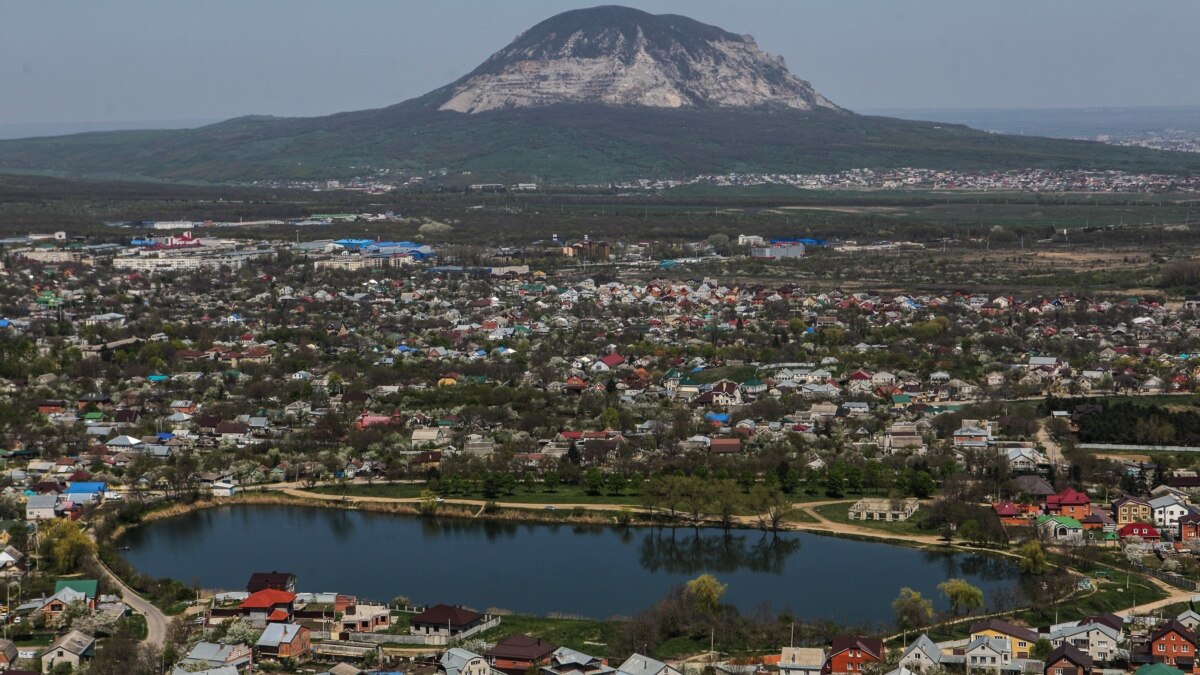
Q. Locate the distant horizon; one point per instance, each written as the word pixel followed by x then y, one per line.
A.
pixel 17 131
pixel 129 60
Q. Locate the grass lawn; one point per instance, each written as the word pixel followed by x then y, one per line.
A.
pixel 839 513
pixel 735 373
pixel 1109 596
pixel 586 635
pixel 135 626
pixel 563 494
pixel 800 516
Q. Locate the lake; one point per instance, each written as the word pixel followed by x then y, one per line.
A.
pixel 534 568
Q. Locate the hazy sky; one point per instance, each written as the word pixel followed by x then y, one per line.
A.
pixel 127 60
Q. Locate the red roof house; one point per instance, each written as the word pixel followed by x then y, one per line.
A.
pixel 1070 503
pixel 1143 530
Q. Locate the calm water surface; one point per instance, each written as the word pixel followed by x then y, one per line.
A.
pixel 538 569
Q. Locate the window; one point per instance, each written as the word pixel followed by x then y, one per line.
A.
pixel 1162 647
pixel 1058 671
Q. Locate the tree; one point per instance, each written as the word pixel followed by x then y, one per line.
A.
pixel 771 505
pixel 550 480
pixel 835 482
pixel 240 633
pixel 962 595
pixel 610 419
pixel 595 481
pixel 1041 649
pixel 720 243
pixel 970 531
pixel 1033 558
pixel 911 610
pixel 616 483
pixel 705 592
pixel 65 547
pixel 429 502
pixel 725 498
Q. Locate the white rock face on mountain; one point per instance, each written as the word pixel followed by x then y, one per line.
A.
pixel 620 56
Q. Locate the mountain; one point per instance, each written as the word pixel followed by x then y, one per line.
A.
pixel 622 56
pixel 593 95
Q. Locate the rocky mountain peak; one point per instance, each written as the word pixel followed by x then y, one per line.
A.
pixel 621 56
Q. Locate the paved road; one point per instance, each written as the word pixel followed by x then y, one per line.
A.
pixel 156 621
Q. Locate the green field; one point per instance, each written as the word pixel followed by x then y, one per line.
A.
pixel 564 494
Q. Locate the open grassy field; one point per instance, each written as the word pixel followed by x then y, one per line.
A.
pixel 563 494
pixel 839 513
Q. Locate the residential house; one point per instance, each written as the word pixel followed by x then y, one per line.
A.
pixel 365 618
pixel 1020 639
pixel 1143 531
pixel 849 654
pixel 516 654
pixel 280 581
pixel 1070 503
pixel 1173 644
pixel 211 656
pixel 1034 486
pixel 1189 526
pixel 8 654
pixel 71 648
pixel 922 655
pixel 459 661
pixel 430 436
pixel 1189 618
pixel 444 620
pixel 801 661
pixel 1167 511
pixel 268 606
pixel 56 605
pixel 1097 641
pixel 235 433
pixel 638 664
pixel 1128 509
pixel 284 641
pixel 1067 660
pixel 41 507
pixel 12 563
pixel 1060 529
pixel 988 653
pixel 567 661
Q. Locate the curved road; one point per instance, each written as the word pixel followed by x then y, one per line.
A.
pixel 156 621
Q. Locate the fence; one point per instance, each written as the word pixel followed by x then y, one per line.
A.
pixel 1177 580
pixel 339 649
pixel 406 639
pixel 1119 447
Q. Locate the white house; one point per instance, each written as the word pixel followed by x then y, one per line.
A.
pixel 41 507
pixel 1094 639
pixel 1167 510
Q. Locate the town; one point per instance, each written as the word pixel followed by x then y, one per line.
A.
pixel 162 368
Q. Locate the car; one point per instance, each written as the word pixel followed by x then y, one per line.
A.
pixel 549 507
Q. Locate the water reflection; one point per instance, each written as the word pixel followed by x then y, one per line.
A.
pixel 687 551
pixel 538 567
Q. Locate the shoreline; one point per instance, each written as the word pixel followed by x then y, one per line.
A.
pixel 532 513
pixel 524 516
